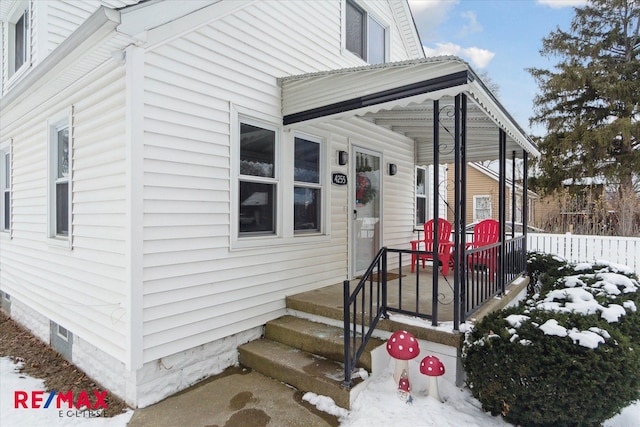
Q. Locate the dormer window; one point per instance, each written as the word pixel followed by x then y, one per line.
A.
pixel 365 36
pixel 18 38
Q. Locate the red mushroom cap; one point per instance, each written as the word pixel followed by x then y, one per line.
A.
pixel 402 345
pixel 431 366
pixel 403 385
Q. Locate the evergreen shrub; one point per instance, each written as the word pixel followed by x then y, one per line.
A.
pixel 583 370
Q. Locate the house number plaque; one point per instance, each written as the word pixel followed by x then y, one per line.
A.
pixel 339 178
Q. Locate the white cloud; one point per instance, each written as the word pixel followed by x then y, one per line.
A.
pixel 430 14
pixel 557 4
pixel 478 57
pixel 472 26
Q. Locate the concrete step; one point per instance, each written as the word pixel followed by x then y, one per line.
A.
pixel 303 370
pixel 316 338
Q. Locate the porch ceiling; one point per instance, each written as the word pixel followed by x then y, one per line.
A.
pixel 399 97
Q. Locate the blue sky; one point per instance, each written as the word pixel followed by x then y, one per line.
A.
pixel 500 37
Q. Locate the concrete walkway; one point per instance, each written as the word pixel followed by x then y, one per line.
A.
pixel 238 397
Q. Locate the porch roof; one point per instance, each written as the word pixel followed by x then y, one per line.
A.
pixel 399 96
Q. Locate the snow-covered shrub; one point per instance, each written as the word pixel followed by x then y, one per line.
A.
pixel 567 356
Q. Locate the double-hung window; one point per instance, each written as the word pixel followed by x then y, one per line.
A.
pixel 307 188
pixel 18 38
pixel 481 207
pixel 59 178
pixel 258 179
pixel 365 36
pixel 421 196
pixel 5 189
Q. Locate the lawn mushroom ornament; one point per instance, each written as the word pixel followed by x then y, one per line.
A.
pixel 403 347
pixel 432 367
pixel 404 388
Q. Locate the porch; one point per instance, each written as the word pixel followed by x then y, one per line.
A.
pixel 314 348
pixel 327 303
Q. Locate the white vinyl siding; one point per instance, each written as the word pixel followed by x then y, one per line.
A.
pixel 84 289
pixel 65 16
pixel 198 285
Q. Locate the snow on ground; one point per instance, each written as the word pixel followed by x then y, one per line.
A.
pixel 11 380
pixel 377 405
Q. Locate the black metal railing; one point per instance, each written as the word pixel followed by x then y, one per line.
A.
pixel 484 277
pixel 363 308
pixel 368 302
pixel 481 277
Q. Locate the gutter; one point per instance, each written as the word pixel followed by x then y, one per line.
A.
pixel 102 22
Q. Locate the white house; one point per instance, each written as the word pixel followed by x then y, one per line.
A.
pixel 171 171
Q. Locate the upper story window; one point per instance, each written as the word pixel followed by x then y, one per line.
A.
pixel 5 190
pixel 365 36
pixel 258 180
pixel 18 39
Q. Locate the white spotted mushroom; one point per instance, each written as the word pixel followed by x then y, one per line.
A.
pixel 403 347
pixel 432 367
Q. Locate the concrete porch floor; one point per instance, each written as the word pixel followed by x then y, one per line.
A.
pixel 328 302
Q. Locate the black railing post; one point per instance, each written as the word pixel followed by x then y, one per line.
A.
pixel 525 200
pixel 347 334
pixel 384 284
pixel 502 145
pixel 436 213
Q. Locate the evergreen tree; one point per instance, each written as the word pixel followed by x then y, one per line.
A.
pixel 590 103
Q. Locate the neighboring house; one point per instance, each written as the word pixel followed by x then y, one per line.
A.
pixel 482 196
pixel 171 171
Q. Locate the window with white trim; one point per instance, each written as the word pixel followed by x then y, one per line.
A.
pixel 365 36
pixel 481 207
pixel 307 189
pixel 60 178
pixel 258 178
pixel 18 38
pixel 421 196
pixel 5 190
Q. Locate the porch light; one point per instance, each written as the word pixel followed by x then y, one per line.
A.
pixel 393 169
pixel 343 158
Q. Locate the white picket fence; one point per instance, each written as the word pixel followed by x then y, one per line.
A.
pixel 581 248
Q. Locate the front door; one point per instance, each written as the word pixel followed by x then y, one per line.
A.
pixel 366 208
